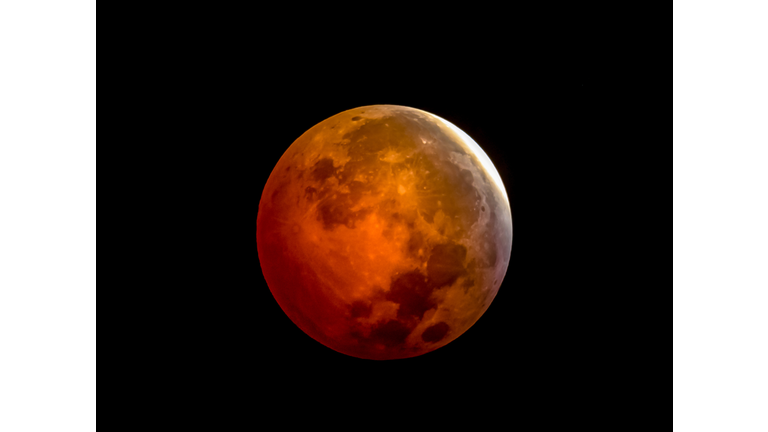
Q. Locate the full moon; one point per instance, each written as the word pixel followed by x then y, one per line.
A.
pixel 384 232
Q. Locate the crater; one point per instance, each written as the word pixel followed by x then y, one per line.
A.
pixel 415 243
pixel 323 169
pixel 310 193
pixel 412 292
pixel 361 309
pixel 333 212
pixel 435 333
pixel 446 264
pixel 390 334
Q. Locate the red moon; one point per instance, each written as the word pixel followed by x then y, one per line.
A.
pixel 384 232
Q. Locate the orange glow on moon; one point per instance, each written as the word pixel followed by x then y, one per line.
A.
pixel 384 232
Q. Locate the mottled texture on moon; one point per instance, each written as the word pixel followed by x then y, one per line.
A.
pixel 384 232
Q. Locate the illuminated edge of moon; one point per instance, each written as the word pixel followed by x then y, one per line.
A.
pixel 484 159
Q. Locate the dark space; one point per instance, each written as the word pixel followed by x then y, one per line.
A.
pixel 555 97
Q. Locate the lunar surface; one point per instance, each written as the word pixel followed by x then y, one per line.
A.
pixel 384 232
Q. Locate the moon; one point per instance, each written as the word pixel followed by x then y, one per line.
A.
pixel 384 232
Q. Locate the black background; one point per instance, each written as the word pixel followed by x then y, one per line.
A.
pixel 558 99
pixel 547 116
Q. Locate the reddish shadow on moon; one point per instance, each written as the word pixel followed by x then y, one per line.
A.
pixel 384 232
